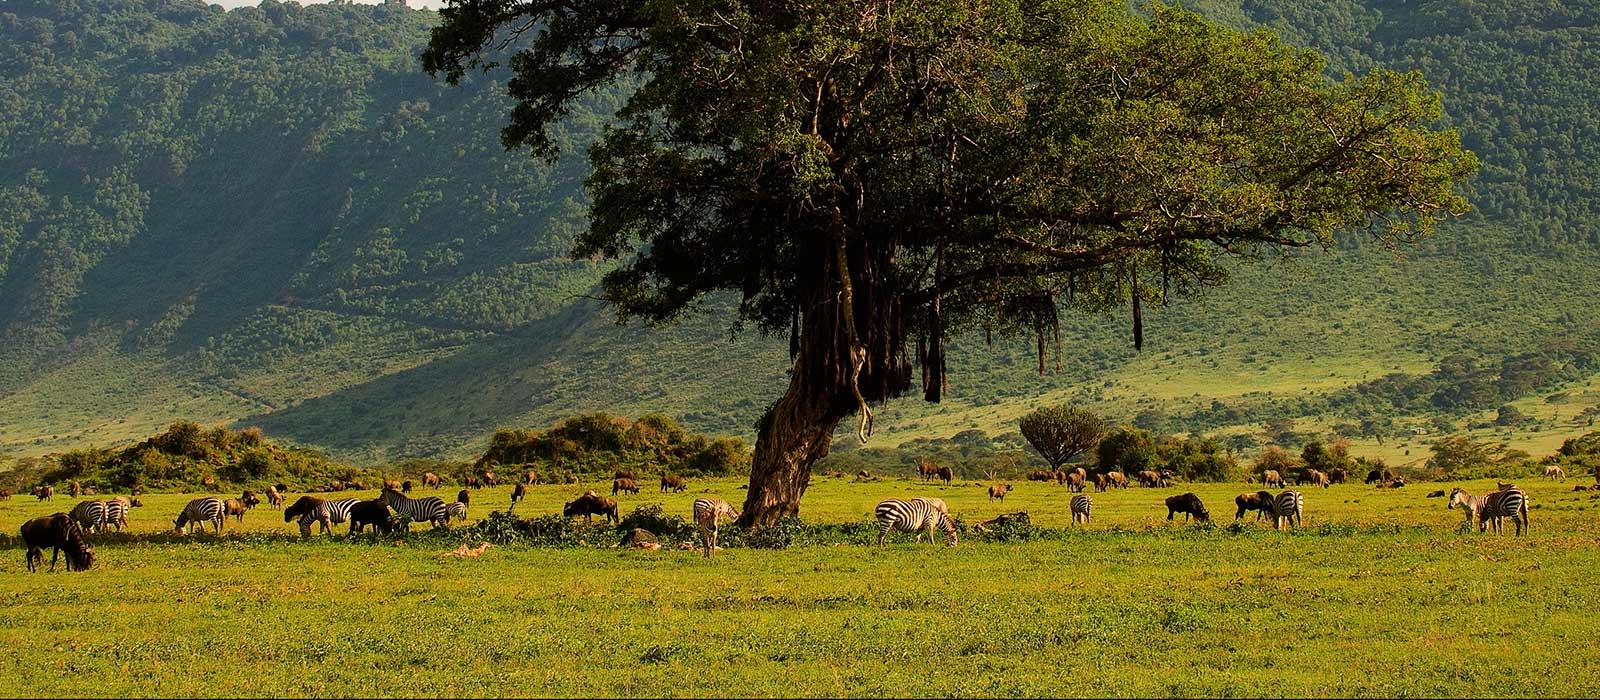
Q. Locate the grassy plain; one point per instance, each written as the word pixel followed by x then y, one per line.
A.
pixel 1380 594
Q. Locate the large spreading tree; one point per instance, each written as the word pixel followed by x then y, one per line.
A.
pixel 872 176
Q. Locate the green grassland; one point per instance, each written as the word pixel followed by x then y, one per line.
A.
pixel 1380 594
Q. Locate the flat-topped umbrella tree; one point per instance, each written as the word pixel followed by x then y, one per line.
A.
pixel 870 177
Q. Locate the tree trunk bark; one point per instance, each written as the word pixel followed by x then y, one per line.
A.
pixel 797 434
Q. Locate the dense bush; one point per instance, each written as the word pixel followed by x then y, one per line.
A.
pixel 600 443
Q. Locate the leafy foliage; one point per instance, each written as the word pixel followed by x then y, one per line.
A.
pixel 1060 433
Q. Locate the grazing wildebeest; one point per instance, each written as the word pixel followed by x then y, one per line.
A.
pixel 489 479
pixel 591 504
pixel 946 474
pixel 620 485
pixel 1315 478
pixel 1338 475
pixel 430 480
pixel 61 534
pixel 1116 480
pixel 1260 502
pixel 1041 475
pixel 75 489
pixel 999 491
pixel 274 497
pixel 1271 477
pixel 44 493
pixel 1018 518
pixel 374 512
pixel 517 493
pixel 473 483
pixel 673 482
pixel 1188 504
pixel 1149 479
pixel 1378 476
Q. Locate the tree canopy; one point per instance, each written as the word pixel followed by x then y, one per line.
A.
pixel 1060 433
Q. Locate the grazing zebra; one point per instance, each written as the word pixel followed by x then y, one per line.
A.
pixel 1287 507
pixel 428 509
pixel 315 510
pixel 708 513
pixel 457 510
pixel 1081 504
pixel 916 515
pixel 90 516
pixel 201 510
pixel 117 511
pixel 1506 503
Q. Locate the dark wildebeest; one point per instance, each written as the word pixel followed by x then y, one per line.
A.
pixel 1149 479
pixel 61 534
pixel 1041 475
pixel 1315 477
pixel 1260 502
pixel 463 497
pixel 999 491
pixel 620 485
pixel 374 512
pixel 946 475
pixel 405 486
pixel 591 504
pixel 75 489
pixel 1378 476
pixel 1338 475
pixel 927 470
pixel 44 493
pixel 473 483
pixel 673 482
pixel 1188 504
pixel 5 494
pixel 518 492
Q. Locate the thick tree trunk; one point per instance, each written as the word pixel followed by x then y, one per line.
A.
pixel 798 433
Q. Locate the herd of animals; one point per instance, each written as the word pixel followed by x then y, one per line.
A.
pixel 65 532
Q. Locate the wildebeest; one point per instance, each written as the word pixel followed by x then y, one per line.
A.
pixel 1260 502
pixel 463 496
pixel 1149 478
pixel 531 478
pixel 1338 475
pixel 1436 494
pixel 1075 481
pixel 274 497
pixel 75 489
pixel 1315 478
pixel 620 485
pixel 1188 504
pixel 1378 476
pixel 591 504
pixel 999 491
pixel 405 486
pixel 1116 480
pixel 517 493
pixel 44 493
pixel 249 499
pixel 489 479
pixel 1271 477
pixel 235 508
pixel 1041 475
pixel 391 484
pixel 430 480
pixel 927 470
pixel 473 483
pixel 946 474
pixel 283 490
pixel 61 534
pixel 5 494
pixel 374 512
pixel 673 482
pixel 1555 472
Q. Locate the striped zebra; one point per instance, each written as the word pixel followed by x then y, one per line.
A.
pixel 1287 507
pixel 916 515
pixel 310 509
pixel 1081 505
pixel 1469 504
pixel 117 510
pixel 708 513
pixel 457 510
pixel 199 511
pixel 1509 502
pixel 90 516
pixel 428 509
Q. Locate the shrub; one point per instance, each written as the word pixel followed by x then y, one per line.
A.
pixel 665 527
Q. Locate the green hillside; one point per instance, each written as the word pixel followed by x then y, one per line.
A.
pixel 270 217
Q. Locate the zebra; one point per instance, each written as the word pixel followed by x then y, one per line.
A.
pixel 428 509
pixel 1287 507
pixel 916 515
pixel 117 511
pixel 199 511
pixel 457 510
pixel 90 516
pixel 315 510
pixel 708 513
pixel 1470 506
pixel 1511 503
pixel 1081 505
